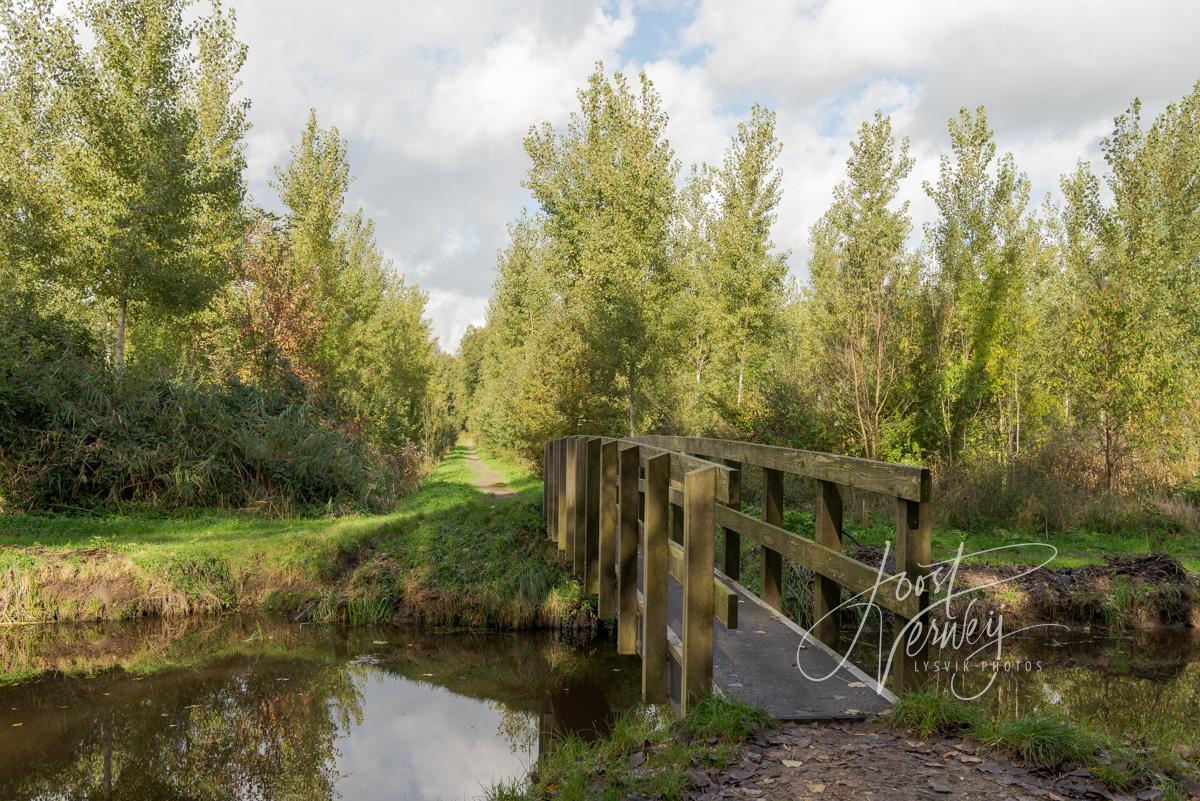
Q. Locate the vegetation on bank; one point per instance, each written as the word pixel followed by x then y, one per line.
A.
pixel 1047 740
pixel 647 752
pixel 165 343
pixel 449 556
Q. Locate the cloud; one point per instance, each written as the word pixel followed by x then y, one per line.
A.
pixel 435 100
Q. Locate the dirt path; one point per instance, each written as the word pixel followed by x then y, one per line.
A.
pixel 860 761
pixel 486 479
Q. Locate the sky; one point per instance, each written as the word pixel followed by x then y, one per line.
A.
pixel 435 98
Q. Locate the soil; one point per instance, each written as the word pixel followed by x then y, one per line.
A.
pixel 866 760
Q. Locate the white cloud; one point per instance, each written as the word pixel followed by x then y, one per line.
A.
pixel 435 100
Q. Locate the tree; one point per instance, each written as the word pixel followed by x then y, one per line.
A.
pixel 606 187
pixel 978 286
pixel 142 197
pixel 861 301
pixel 747 276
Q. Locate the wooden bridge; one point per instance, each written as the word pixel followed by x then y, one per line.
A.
pixel 636 519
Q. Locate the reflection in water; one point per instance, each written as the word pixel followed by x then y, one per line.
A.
pixel 1143 684
pixel 290 712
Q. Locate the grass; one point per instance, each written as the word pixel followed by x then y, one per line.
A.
pixel 647 753
pixel 1045 740
pixel 448 555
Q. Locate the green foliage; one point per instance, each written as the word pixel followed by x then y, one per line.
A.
pixel 74 434
pixel 932 714
pixel 1045 740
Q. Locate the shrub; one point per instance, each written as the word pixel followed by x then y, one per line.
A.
pixel 74 434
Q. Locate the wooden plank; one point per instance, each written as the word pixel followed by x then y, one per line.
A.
pixel 682 463
pixel 572 512
pixel 731 547
pixel 914 529
pixel 699 490
pixel 724 596
pixel 607 572
pixel 827 593
pixel 627 536
pixel 591 566
pixel 855 576
pixel 897 480
pixel 772 560
pixel 655 684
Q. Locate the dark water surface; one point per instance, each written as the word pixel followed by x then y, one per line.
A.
pixel 242 709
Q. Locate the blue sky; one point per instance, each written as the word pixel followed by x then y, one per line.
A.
pixel 436 98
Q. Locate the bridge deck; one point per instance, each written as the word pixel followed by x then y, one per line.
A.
pixel 756 662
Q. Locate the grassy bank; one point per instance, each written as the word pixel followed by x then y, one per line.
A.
pixel 450 555
pixel 1050 741
pixel 648 753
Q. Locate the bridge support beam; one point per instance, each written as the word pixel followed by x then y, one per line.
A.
pixel 914 528
pixel 607 563
pixel 827 593
pixel 655 566
pixel 772 560
pixel 629 457
pixel 699 519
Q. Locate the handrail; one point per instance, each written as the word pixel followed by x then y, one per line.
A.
pixel 606 495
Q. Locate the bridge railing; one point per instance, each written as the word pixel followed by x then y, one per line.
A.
pixel 603 495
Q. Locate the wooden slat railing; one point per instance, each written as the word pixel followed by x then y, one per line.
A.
pixel 606 496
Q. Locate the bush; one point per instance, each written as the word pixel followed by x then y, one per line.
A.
pixel 74 434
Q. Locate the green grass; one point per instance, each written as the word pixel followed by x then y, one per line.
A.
pixel 1045 740
pixel 647 753
pixel 449 555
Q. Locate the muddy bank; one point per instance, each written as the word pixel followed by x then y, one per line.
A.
pixel 870 761
pixel 1145 592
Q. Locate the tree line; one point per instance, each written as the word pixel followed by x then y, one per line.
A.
pixel 168 340
pixel 1043 358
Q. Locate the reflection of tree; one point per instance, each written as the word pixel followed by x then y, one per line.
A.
pixel 518 729
pixel 247 734
pixel 231 709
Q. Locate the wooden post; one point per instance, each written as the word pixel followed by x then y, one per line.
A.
pixel 572 512
pixel 699 498
pixel 560 487
pixel 607 572
pixel 827 593
pixel 732 547
pixel 591 566
pixel 579 564
pixel 630 460
pixel 772 560
pixel 914 528
pixel 655 685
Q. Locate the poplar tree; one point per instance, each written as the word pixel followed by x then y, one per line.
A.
pixel 606 188
pixel 862 299
pixel 141 190
pixel 747 275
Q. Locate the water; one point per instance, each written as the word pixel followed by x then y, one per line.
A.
pixel 253 710
pixel 1143 684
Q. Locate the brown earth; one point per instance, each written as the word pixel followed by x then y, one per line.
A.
pixel 486 479
pixel 866 760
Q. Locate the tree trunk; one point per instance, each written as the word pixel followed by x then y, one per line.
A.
pixel 119 348
pixel 741 381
